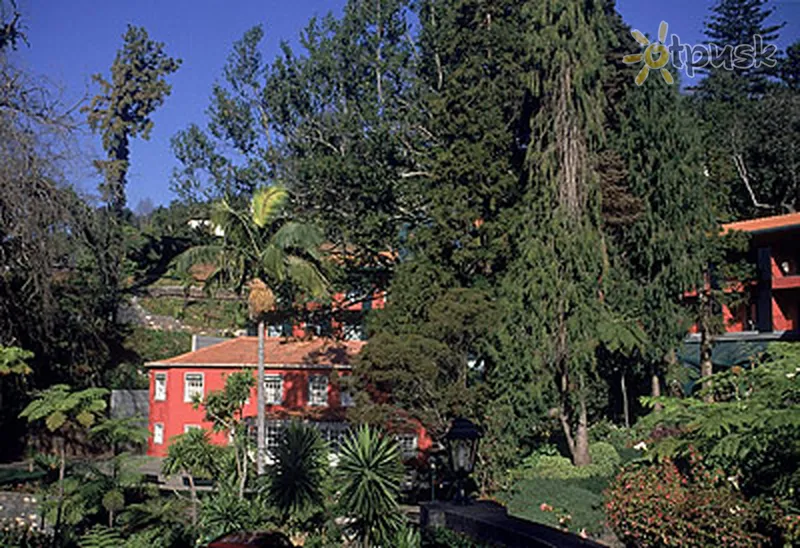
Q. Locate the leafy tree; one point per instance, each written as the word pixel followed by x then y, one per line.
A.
pixel 749 430
pixel 421 372
pixel 327 122
pixel 369 473
pixel 193 455
pixel 63 411
pixel 730 101
pixel 224 409
pixel 656 255
pixel 122 110
pixel 552 293
pixel 296 479
pixel 271 253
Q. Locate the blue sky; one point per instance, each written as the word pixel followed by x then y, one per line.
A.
pixel 72 39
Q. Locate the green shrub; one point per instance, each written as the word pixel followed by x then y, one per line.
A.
pixel 605 462
pixel 657 505
pixel 574 504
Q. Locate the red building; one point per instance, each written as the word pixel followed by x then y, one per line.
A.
pixel 301 383
pixel 771 308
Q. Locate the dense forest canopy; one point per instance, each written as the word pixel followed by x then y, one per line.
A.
pixel 536 216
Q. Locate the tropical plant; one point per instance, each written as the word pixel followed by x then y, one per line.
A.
pixel 225 512
pixel 369 472
pixel 271 254
pixel 63 411
pixel 224 409
pixel 193 455
pixel 751 430
pixel 298 474
pixel 13 360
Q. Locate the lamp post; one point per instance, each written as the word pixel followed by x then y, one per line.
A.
pixel 462 445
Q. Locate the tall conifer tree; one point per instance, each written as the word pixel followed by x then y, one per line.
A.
pixel 552 294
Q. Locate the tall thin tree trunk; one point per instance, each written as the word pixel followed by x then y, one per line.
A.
pixel 193 490
pixel 706 345
pixel 261 418
pixel 62 468
pixel 655 388
pixel 581 456
pixel 625 409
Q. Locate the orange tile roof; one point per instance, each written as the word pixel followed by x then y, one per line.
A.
pixel 776 222
pixel 243 351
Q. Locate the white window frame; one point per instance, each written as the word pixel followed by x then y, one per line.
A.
pixel 407 452
pixel 267 395
pixel 158 433
pixel 316 397
pixel 346 398
pixel 160 388
pixel 187 427
pixel 187 394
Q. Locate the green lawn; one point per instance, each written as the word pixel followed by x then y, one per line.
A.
pixel 580 498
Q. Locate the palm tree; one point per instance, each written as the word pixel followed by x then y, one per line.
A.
pixel 263 249
pixel 296 479
pixel 370 472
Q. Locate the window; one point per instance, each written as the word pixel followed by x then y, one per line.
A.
pixel 353 332
pixel 408 445
pixel 333 433
pixel 346 398
pixel 318 390
pixel 187 427
pixel 273 389
pixel 161 387
pixel 192 386
pixel 274 430
pixel 158 433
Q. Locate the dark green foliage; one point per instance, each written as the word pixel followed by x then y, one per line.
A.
pixel 296 477
pixel 123 108
pixel 422 368
pixel 746 157
pixel 551 295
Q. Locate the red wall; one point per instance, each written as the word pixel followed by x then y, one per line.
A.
pixel 174 413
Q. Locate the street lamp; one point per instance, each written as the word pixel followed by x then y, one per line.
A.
pixel 462 444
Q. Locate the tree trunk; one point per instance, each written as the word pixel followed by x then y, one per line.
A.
pixel 193 490
pixel 111 518
pixel 706 346
pixel 62 467
pixel 655 388
pixel 625 408
pixel 260 418
pixel 581 456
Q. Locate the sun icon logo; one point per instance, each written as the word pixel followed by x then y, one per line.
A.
pixel 655 56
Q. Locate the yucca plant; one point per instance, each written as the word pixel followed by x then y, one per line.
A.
pixel 369 472
pixel 298 474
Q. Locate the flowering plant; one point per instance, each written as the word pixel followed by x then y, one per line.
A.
pixel 658 505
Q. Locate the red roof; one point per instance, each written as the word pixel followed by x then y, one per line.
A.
pixel 243 351
pixel 776 222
